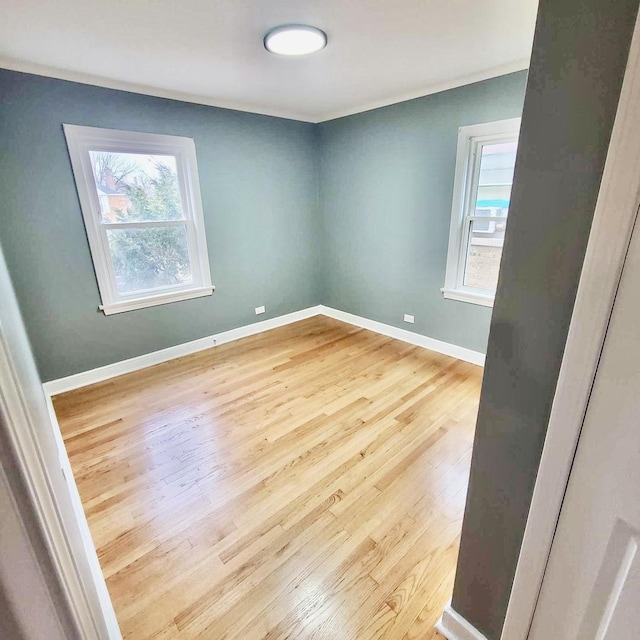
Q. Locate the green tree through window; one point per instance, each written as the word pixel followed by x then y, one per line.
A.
pixel 143 190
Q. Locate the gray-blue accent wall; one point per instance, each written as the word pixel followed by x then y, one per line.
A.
pixel 352 213
pixel 386 188
pixel 259 183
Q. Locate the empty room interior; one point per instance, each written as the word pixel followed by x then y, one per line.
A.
pixel 286 296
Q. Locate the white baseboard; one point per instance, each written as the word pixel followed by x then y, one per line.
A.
pixel 448 349
pixel 78 380
pixel 62 385
pixel 454 627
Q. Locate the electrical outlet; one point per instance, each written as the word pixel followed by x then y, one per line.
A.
pixel 408 318
pixel 260 310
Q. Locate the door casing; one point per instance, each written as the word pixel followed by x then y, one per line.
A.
pixel 611 230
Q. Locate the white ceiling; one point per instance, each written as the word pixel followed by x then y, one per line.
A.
pixel 210 51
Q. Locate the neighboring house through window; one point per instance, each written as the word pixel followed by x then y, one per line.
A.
pixel 482 192
pixel 140 199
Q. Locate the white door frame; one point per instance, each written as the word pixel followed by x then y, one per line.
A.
pixel 37 449
pixel 611 231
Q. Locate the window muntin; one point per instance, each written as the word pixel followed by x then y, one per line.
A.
pixel 482 193
pixel 140 201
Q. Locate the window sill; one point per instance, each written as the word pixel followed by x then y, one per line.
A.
pixel 482 299
pixel 153 301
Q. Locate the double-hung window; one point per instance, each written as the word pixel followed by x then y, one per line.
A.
pixel 482 192
pixel 140 199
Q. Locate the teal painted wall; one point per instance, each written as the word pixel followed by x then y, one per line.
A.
pixel 386 184
pixel 580 51
pixel 259 183
pixel 353 213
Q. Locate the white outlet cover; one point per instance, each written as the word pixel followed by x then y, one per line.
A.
pixel 260 310
pixel 409 318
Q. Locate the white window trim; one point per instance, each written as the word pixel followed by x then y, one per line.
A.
pixel 80 140
pixel 466 176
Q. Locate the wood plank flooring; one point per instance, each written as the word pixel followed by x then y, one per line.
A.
pixel 308 482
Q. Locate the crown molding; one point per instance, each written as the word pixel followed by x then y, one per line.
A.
pixel 156 92
pixel 98 81
pixel 486 74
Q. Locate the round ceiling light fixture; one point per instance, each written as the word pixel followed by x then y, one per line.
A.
pixel 295 40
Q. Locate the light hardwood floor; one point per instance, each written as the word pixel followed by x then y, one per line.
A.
pixel 308 482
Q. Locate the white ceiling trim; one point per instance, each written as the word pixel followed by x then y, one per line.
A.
pixel 486 74
pixel 108 83
pixel 83 78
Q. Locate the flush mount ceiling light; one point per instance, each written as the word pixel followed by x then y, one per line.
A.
pixel 295 40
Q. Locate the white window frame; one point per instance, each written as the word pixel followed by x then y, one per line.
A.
pixel 470 140
pixel 81 140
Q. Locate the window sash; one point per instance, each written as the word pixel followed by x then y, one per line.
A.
pixel 477 143
pixel 465 247
pixel 82 140
pixel 471 140
pixel 155 224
